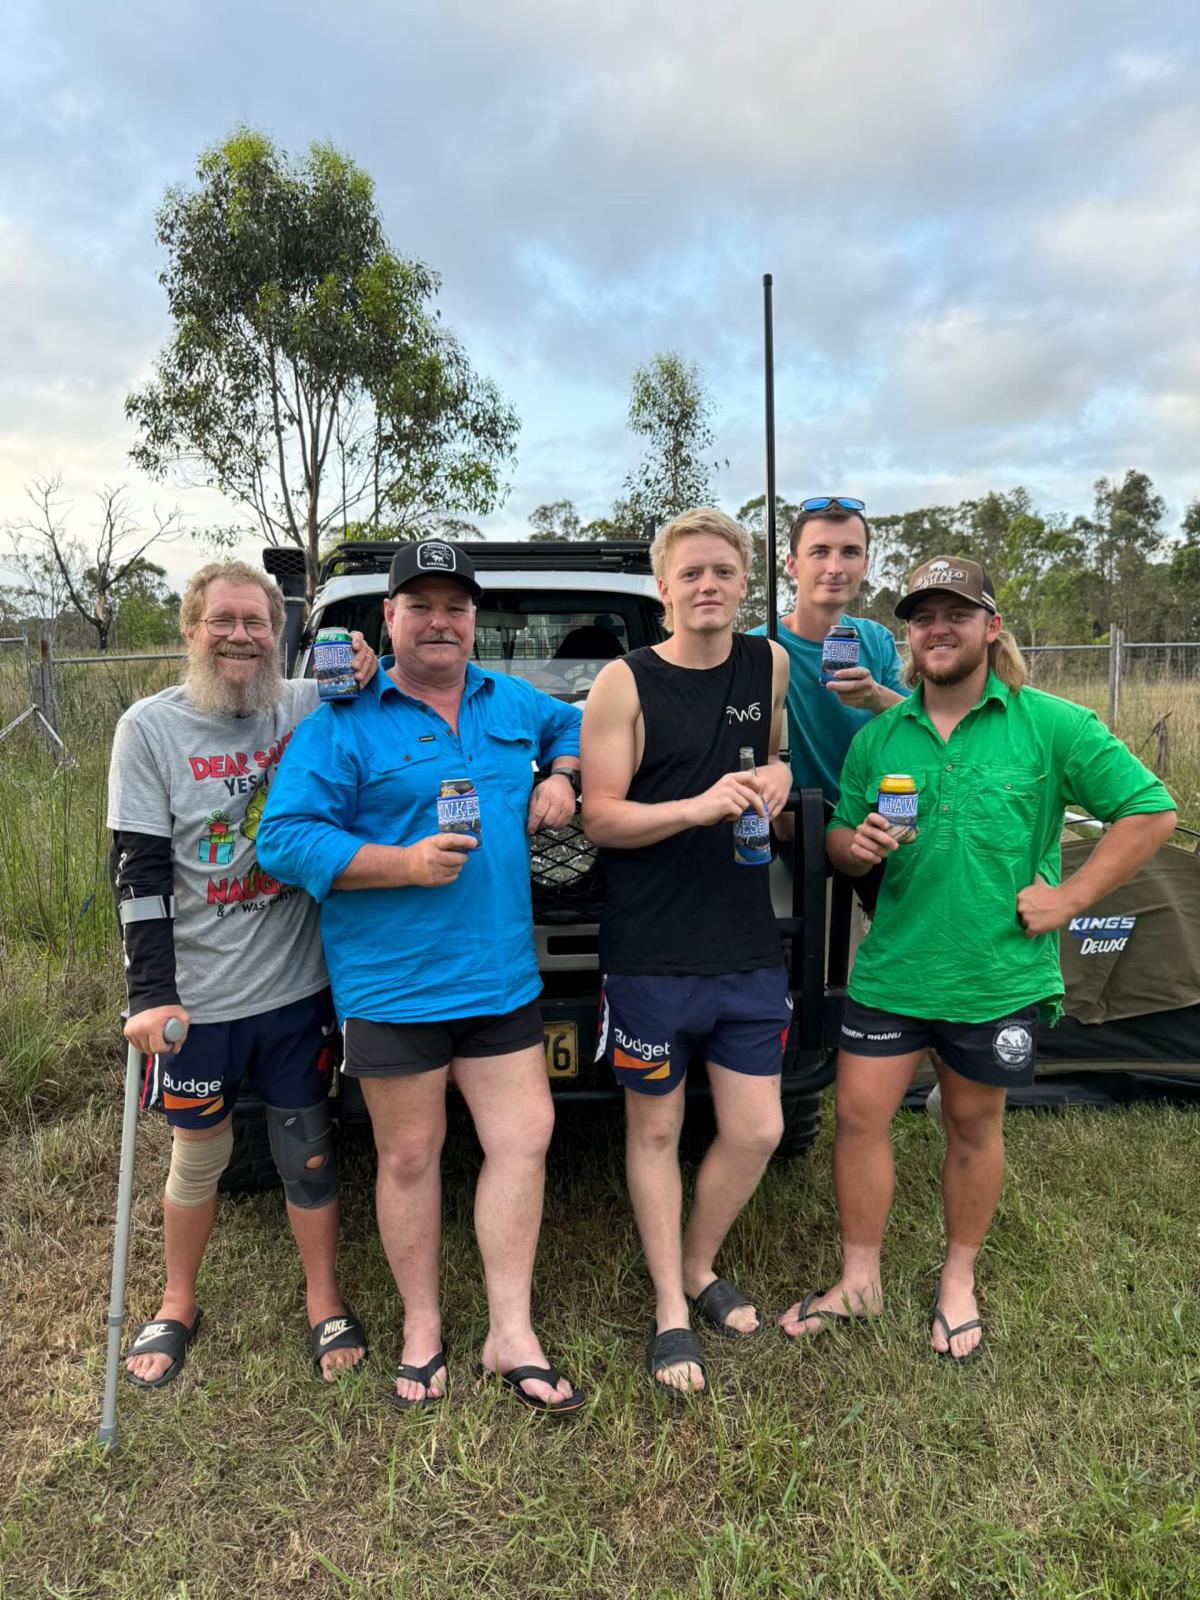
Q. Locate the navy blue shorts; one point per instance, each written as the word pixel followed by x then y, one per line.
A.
pixel 1001 1054
pixel 288 1052
pixel 652 1026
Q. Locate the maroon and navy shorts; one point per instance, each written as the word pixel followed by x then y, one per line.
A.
pixel 651 1025
pixel 1002 1053
pixel 399 1049
pixel 289 1053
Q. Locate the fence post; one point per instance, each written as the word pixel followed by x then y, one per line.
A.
pixel 1116 640
pixel 41 690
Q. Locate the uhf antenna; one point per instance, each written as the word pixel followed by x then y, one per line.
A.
pixel 769 385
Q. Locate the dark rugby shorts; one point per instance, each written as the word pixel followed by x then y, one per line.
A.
pixel 399 1049
pixel 651 1026
pixel 1002 1053
pixel 289 1052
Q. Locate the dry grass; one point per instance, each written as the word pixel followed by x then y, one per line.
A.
pixel 1063 1465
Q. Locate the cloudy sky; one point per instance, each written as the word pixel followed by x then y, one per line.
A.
pixel 983 221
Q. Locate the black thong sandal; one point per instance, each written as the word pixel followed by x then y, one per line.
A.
pixel 423 1375
pixel 162 1337
pixel 964 1327
pixel 716 1302
pixel 668 1349
pixel 515 1376
pixel 842 1318
pixel 343 1332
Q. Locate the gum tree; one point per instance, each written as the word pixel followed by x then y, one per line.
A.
pixel 308 375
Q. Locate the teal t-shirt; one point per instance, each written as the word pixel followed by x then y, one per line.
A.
pixel 820 727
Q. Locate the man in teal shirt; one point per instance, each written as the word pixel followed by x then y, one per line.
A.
pixel 830 541
pixel 962 957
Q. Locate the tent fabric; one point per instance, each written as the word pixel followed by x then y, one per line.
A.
pixel 1135 953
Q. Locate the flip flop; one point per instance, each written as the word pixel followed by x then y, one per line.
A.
pixel 668 1349
pixel 344 1332
pixel 513 1378
pixel 420 1375
pixel 162 1337
pixel 806 1311
pixel 716 1302
pixel 964 1327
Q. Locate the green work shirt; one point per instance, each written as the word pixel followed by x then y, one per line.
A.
pixel 945 942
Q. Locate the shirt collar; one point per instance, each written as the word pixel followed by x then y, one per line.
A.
pixel 476 680
pixel 993 689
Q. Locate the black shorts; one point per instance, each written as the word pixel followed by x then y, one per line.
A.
pixel 399 1049
pixel 1001 1053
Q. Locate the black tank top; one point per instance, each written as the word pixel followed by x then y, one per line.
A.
pixel 683 905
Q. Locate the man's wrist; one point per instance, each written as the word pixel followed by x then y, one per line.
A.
pixel 571 774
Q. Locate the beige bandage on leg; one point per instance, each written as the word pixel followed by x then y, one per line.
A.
pixel 196 1165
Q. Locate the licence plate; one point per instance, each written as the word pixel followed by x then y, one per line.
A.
pixel 562 1049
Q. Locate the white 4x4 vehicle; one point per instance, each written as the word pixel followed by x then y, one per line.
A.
pixel 555 613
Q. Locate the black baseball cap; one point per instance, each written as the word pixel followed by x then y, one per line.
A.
pixel 432 558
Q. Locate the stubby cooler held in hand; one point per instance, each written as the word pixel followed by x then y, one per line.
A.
pixel 839 649
pixel 751 831
pixel 458 808
pixel 898 806
pixel 332 666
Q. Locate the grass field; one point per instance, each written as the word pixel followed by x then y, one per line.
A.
pixel 1063 1465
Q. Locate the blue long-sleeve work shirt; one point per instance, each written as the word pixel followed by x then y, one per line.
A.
pixel 367 771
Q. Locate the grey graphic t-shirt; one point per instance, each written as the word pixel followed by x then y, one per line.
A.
pixel 244 942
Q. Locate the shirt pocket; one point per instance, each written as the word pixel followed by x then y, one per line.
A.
pixel 1005 809
pixel 512 753
pixel 398 794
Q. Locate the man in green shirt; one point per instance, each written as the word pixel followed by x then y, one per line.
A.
pixel 962 957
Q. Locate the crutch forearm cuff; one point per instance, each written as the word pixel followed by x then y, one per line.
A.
pixel 146 908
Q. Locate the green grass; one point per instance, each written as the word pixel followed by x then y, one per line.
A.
pixel 1063 1465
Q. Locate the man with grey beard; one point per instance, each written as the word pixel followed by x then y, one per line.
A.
pixel 234 954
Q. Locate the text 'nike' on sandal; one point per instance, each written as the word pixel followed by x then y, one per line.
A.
pixel 162 1337
pixel 343 1332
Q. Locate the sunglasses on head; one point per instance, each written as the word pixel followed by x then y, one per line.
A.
pixel 822 502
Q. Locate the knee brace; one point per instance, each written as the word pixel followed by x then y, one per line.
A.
pixel 297 1139
pixel 196 1164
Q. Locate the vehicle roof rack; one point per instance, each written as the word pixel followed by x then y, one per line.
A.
pixel 548 555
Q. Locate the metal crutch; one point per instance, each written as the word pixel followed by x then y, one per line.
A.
pixel 135 1063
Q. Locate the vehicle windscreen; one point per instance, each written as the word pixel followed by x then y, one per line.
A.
pixel 557 641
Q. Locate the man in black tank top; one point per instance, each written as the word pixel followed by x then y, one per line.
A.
pixel 692 962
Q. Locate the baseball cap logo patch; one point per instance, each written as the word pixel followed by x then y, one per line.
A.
pixel 434 557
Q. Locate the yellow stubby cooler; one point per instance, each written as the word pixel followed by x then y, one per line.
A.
pixel 897 806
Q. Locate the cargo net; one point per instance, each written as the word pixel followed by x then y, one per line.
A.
pixel 566 874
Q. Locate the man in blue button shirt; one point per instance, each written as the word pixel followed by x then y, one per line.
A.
pixel 429 943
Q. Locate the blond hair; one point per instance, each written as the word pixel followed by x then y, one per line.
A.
pixel 701 519
pixel 192 606
pixel 1004 659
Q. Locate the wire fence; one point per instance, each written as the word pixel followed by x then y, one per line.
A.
pixel 58 695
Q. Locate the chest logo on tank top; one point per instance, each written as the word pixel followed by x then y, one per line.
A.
pixel 751 713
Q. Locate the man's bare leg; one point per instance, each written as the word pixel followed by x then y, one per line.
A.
pixel 186 1231
pixel 869 1092
pixel 652 1127
pixel 316 1235
pixel 749 1120
pixel 408 1116
pixel 972 1178
pixel 509 1101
